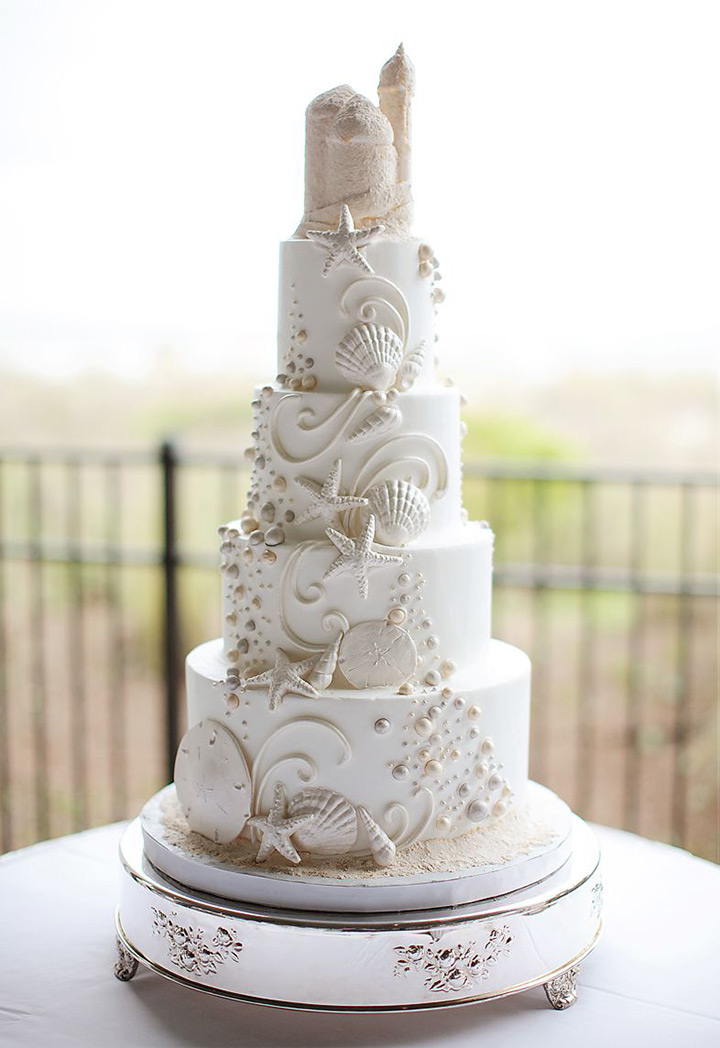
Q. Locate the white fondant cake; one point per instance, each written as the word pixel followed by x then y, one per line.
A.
pixel 355 705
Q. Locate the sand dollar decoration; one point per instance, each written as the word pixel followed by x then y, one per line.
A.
pixel 402 512
pixel 377 654
pixel 213 782
pixel 333 828
pixel 369 356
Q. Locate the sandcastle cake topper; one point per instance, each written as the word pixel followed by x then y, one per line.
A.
pixel 358 154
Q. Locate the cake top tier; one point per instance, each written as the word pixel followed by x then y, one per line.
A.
pixel 357 154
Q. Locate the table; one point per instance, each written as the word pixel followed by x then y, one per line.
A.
pixel 654 978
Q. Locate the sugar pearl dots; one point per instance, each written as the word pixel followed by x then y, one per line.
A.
pixel 477 811
pixel 474 712
pixel 432 677
pixel 382 725
pixel 443 824
pixel 433 767
pixel 423 726
pixel 487 747
pixel 397 616
pixel 400 771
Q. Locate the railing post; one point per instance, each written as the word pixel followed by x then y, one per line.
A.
pixel 171 633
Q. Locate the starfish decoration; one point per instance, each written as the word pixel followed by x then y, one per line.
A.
pixel 344 243
pixel 285 678
pixel 276 830
pixel 325 502
pixel 357 555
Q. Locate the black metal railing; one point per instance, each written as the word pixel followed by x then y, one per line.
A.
pixel 108 574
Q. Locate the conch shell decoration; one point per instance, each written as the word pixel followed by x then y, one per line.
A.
pixel 411 367
pixel 322 674
pixel 320 821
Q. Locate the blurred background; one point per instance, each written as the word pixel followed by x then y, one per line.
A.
pixel 566 173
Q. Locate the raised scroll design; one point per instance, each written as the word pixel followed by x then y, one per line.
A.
pixel 305 763
pixel 453 968
pixel 322 433
pixel 379 301
pixel 405 835
pixel 188 949
pixel 331 621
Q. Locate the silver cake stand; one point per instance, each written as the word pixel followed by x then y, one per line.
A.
pixel 362 961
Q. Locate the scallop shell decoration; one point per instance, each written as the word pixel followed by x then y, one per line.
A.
pixel 369 356
pixel 402 512
pixel 334 828
pixel 379 421
pixel 382 848
pixel 377 654
pixel 411 367
pixel 213 782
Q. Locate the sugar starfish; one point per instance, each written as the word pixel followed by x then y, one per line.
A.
pixel 357 555
pixel 343 244
pixel 285 678
pixel 326 502
pixel 276 830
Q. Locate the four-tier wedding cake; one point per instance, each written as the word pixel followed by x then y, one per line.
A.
pixel 355 721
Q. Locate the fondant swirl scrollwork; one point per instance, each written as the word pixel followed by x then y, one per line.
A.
pixel 377 300
pixel 404 835
pixel 265 768
pixel 290 590
pixel 323 433
pixel 412 457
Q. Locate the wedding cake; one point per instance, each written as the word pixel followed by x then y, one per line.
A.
pixel 351 825
pixel 355 718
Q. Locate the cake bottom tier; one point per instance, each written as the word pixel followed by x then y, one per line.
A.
pixel 436 764
pixel 530 843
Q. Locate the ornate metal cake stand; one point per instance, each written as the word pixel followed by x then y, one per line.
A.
pixel 363 961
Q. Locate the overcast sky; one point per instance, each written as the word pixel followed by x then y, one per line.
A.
pixel 565 168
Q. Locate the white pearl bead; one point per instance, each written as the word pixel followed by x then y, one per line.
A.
pixel 477 811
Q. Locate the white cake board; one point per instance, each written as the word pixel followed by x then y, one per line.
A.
pixel 292 888
pixel 362 962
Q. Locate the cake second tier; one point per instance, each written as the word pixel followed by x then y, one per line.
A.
pixel 439 593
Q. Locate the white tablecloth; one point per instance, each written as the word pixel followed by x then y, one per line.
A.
pixel 653 980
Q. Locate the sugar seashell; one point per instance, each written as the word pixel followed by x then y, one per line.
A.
pixel 411 367
pixel 377 654
pixel 402 512
pixel 369 356
pixel 212 781
pixel 333 830
pixel 382 848
pixel 322 675
pixel 379 421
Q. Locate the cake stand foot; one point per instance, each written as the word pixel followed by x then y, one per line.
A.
pixel 126 965
pixel 562 992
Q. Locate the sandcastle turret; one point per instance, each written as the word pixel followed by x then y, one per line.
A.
pixel 395 91
pixel 358 154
